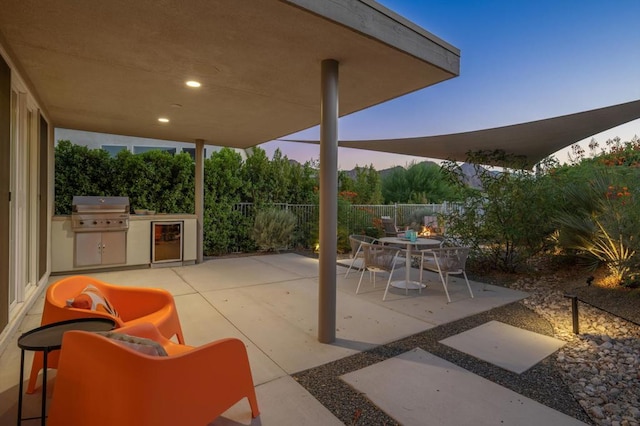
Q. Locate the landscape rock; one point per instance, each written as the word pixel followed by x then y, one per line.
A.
pixel 601 365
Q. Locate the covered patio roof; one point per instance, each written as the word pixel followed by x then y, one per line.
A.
pixel 117 66
pixel 267 68
pixel 531 142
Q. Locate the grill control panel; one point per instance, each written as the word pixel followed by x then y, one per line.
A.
pixel 84 224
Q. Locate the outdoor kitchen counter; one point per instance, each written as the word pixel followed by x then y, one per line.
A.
pixel 138 241
pixel 162 216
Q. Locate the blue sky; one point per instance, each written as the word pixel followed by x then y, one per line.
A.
pixel 520 61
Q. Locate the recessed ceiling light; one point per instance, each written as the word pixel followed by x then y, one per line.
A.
pixel 163 120
pixel 193 83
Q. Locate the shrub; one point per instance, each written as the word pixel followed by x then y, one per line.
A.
pixel 223 226
pixel 509 221
pixel 601 222
pixel 81 171
pixel 273 229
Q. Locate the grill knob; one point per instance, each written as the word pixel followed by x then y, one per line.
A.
pixel 81 223
pixel 122 221
pixel 108 222
pixel 95 222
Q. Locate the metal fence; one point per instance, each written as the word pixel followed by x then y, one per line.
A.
pixel 360 218
pixel 306 218
pixel 406 214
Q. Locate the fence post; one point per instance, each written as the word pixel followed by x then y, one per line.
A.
pixel 395 214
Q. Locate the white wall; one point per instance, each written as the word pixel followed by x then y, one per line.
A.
pixel 97 140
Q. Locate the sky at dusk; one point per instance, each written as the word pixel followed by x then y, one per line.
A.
pixel 520 61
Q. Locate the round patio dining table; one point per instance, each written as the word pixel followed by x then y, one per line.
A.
pixel 407 283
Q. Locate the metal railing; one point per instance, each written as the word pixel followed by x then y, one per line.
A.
pixel 306 218
pixel 360 218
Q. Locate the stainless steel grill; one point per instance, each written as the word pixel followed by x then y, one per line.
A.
pixel 95 213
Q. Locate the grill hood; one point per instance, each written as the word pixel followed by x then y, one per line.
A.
pixel 98 204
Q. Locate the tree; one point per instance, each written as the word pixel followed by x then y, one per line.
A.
pixel 302 181
pixel 345 182
pixel 395 187
pixel 364 188
pixel 510 220
pixel 259 184
pixel 367 186
pixel 420 183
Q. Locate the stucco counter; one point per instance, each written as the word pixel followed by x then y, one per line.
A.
pixel 138 245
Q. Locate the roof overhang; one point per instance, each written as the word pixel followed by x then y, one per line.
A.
pixel 527 143
pixel 116 66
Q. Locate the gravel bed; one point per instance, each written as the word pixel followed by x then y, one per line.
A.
pixel 543 382
pixel 594 378
pixel 601 365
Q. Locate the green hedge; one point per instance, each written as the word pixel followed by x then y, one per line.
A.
pixel 157 180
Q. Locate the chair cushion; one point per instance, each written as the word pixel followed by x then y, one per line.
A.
pixel 138 344
pixel 91 298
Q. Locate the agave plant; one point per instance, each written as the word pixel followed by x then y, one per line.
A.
pixel 594 224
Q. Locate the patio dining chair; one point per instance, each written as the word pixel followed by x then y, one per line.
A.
pixel 356 248
pixel 390 228
pixel 416 255
pixel 446 261
pixel 379 258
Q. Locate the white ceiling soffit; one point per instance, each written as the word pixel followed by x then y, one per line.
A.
pixel 531 141
pixel 117 66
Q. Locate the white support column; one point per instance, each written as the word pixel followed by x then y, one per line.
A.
pixel 199 199
pixel 328 202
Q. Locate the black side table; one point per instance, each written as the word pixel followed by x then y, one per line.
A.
pixel 49 338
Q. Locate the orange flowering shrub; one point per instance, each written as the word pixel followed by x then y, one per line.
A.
pixel 347 195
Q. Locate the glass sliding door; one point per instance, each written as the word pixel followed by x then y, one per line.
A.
pixel 6 121
pixel 31 198
pixel 13 285
pixel 23 201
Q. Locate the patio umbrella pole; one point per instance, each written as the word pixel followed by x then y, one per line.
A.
pixel 328 202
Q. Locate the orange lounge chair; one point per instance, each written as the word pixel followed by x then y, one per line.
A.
pixel 149 331
pixel 100 382
pixel 134 305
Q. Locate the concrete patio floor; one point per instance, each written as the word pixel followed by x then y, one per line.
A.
pixel 270 303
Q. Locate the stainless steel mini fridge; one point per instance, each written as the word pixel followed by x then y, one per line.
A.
pixel 167 241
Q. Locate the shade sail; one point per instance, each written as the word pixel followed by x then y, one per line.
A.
pixel 531 141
